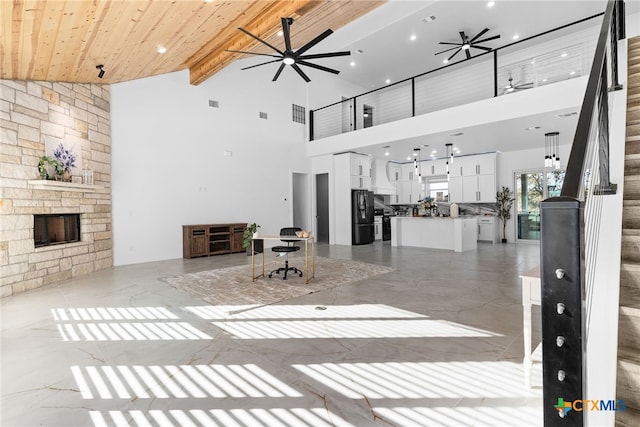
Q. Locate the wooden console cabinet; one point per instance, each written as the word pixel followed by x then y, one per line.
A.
pixel 212 239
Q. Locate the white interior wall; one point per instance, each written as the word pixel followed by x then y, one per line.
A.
pixel 169 165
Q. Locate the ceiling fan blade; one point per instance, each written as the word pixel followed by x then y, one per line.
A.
pixel 455 44
pixel 252 53
pixel 318 67
pixel 286 33
pixel 278 72
pixel 302 74
pixel 323 55
pixel 263 63
pixel 446 50
pixel 488 39
pixel 314 42
pixel 463 36
pixel 261 41
pixel 481 47
pixel 466 51
pixel 480 34
pixel 454 54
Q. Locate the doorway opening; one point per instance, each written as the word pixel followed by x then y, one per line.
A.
pixel 322 207
pixel 367 116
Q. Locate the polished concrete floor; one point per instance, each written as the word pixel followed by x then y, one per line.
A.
pixel 438 341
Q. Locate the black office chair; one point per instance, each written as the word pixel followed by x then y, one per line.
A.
pixel 285 250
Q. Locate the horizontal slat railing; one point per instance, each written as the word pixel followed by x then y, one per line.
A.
pixel 529 60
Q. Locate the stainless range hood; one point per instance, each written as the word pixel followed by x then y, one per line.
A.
pixel 380 179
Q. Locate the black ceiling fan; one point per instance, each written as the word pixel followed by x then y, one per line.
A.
pixel 294 58
pixel 468 44
pixel 512 87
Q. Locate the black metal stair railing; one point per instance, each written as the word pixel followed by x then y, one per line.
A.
pixel 569 228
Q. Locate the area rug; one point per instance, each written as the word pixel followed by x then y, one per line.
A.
pixel 233 285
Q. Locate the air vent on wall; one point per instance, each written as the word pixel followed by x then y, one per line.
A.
pixel 263 115
pixel 214 104
pixel 298 113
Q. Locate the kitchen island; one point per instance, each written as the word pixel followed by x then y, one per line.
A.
pixel 456 234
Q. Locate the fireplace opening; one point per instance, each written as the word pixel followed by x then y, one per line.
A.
pixel 55 229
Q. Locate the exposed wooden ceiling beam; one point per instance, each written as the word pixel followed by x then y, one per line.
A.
pixel 266 24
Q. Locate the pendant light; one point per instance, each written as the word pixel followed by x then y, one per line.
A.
pixel 552 150
pixel 417 164
pixel 449 147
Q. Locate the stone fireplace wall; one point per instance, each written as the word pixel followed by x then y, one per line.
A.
pixel 31 112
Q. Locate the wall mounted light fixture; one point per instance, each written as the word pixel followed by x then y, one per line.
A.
pixel 100 69
pixel 552 150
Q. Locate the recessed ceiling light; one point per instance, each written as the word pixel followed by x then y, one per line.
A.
pixel 352 63
pixel 408 157
pixel 412 37
pixel 280 33
pixel 162 49
pixel 429 18
pixel 544 80
pixel 386 153
pixel 208 1
pixel 387 81
pixel 434 151
pixel 446 61
pixel 491 4
pixel 515 37
pixel 572 73
pixel 564 55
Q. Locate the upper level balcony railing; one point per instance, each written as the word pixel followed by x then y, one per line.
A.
pixel 555 55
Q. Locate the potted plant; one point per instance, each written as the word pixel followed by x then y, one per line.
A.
pixel 47 162
pixel 247 237
pixel 504 203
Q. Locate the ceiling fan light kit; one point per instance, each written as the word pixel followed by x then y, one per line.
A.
pixel 290 57
pixel 467 44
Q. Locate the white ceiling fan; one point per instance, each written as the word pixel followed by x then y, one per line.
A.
pixel 513 87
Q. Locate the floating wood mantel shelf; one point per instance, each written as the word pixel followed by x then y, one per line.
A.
pixel 43 184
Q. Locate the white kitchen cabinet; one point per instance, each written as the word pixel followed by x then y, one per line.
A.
pixel 410 192
pixel 408 171
pixel 455 189
pixel 377 227
pixel 488 230
pixel 360 182
pixel 394 171
pixel 478 180
pixel 455 168
pixel 434 167
pixel 360 171
pixel 360 165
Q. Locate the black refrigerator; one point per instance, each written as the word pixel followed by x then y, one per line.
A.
pixel 362 217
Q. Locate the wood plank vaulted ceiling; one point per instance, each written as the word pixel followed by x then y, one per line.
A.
pixel 56 40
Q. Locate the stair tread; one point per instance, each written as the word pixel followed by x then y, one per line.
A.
pixel 628 354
